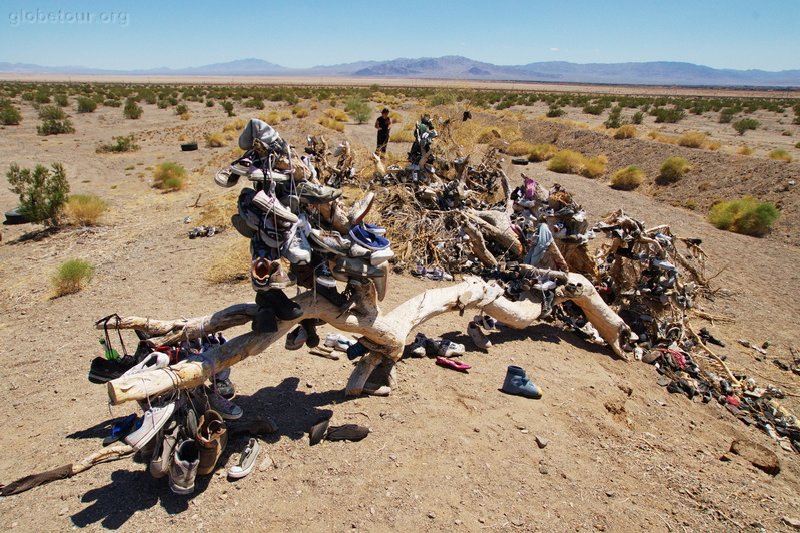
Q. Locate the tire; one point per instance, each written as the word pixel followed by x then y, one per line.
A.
pixel 14 217
pixel 519 161
pixel 188 147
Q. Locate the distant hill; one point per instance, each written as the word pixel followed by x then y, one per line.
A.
pixel 463 68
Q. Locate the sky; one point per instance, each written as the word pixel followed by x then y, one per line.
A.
pixel 127 34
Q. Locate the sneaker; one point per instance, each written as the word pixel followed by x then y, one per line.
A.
pixel 270 205
pixel 223 406
pixel 296 338
pixel 449 348
pixel 517 382
pixel 356 350
pixel 418 346
pixel 357 267
pixel 337 341
pixel 224 388
pixel 310 325
pixel 241 226
pixel 212 437
pixel 151 422
pixel 120 429
pixel 162 454
pixel 183 467
pixel 102 370
pixel 323 277
pixel 329 241
pixel 368 240
pixel 361 208
pixel 296 249
pixel 381 282
pixel 279 279
pixel 151 362
pixel 481 341
pixel 283 307
pixel 264 321
pixel 311 193
pixel 378 257
pixel 260 267
pixel 246 461
pixel 226 177
pixel 486 322
pixel 373 228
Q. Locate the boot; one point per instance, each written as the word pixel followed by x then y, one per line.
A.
pixel 212 437
pixel 517 382
pixel 282 305
pixel 183 467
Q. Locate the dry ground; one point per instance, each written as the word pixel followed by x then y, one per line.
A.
pixel 447 451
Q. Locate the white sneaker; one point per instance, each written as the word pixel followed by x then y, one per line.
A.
pixel 481 341
pixel 296 249
pixel 147 427
pixel 379 256
pixel 337 341
pixel 270 205
pixel 418 346
pixel 151 362
pixel 246 462
pixel 449 348
pixel 486 322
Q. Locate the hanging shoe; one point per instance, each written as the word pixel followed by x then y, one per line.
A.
pixel 151 362
pixel 265 321
pixel 481 341
pixel 212 437
pixel 272 207
pixel 224 388
pixel 223 406
pixel 329 241
pixel 517 382
pixel 151 422
pixel 279 279
pixel 361 208
pixel 311 193
pixel 365 238
pixel 162 454
pixel 283 307
pixel 296 248
pixel 296 338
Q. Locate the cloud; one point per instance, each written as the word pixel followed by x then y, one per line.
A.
pixel 555 49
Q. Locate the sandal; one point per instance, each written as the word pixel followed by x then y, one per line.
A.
pixel 453 364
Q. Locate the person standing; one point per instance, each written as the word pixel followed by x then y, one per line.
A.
pixel 383 124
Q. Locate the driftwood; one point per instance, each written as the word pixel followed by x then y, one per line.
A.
pixel 383 335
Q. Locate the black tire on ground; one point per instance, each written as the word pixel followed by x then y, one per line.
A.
pixel 189 147
pixel 14 217
pixel 519 161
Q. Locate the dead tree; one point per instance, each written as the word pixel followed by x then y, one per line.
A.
pixel 384 335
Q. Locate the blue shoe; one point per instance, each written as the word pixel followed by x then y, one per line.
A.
pixel 120 429
pixel 518 383
pixel 367 239
pixel 354 351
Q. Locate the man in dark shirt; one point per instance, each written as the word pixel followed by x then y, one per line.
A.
pixel 383 124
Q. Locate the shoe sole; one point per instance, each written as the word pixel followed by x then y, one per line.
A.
pixel 240 473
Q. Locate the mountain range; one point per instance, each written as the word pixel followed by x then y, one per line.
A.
pixel 462 68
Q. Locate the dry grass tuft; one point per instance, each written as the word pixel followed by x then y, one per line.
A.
pixel 215 140
pixel 84 209
pixel 332 123
pixel 403 135
pixel 692 139
pixel 218 211
pixel 571 162
pixel 235 125
pixel 780 155
pixel 626 131
pixel 542 152
pixel 169 176
pixel 337 115
pixel 518 147
pixel 71 277
pixel 745 150
pixel 628 178
pixel 299 111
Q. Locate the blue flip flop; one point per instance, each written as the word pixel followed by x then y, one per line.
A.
pixel 120 429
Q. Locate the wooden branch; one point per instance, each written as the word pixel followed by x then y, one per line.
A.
pixel 383 335
pixel 478 244
pixel 506 239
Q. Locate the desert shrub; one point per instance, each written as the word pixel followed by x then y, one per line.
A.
pixel 169 176
pixel 54 121
pixel 745 215
pixel 162 104
pixel 637 118
pixel 692 139
pixel 441 98
pixel 235 125
pixel 594 167
pixel 71 277
pixel 132 110
pixel 332 123
pixel 254 103
pixel 745 150
pixel 797 145
pixel 396 117
pixel 566 162
pixel 123 143
pixel 786 133
pixel 780 155
pixel 744 124
pixel 84 209
pixel 181 109
pixel 626 131
pixel 299 111
pixel 628 178
pixel 518 147
pixel 112 102
pixel 41 97
pixel 359 109
pixel 673 169
pixel 614 118
pixel 61 100
pixel 594 108
pixel 228 107
pixel 9 114
pixel 209 103
pixel 669 115
pixel 42 192
pixel 86 105
pixel 554 111
pixel 542 152
pixel 337 114
pixel 215 140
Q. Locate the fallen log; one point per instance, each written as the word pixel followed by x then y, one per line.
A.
pixel 383 335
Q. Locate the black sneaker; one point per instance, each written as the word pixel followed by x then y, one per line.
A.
pixel 265 321
pixel 102 370
pixel 310 325
pixel 282 305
